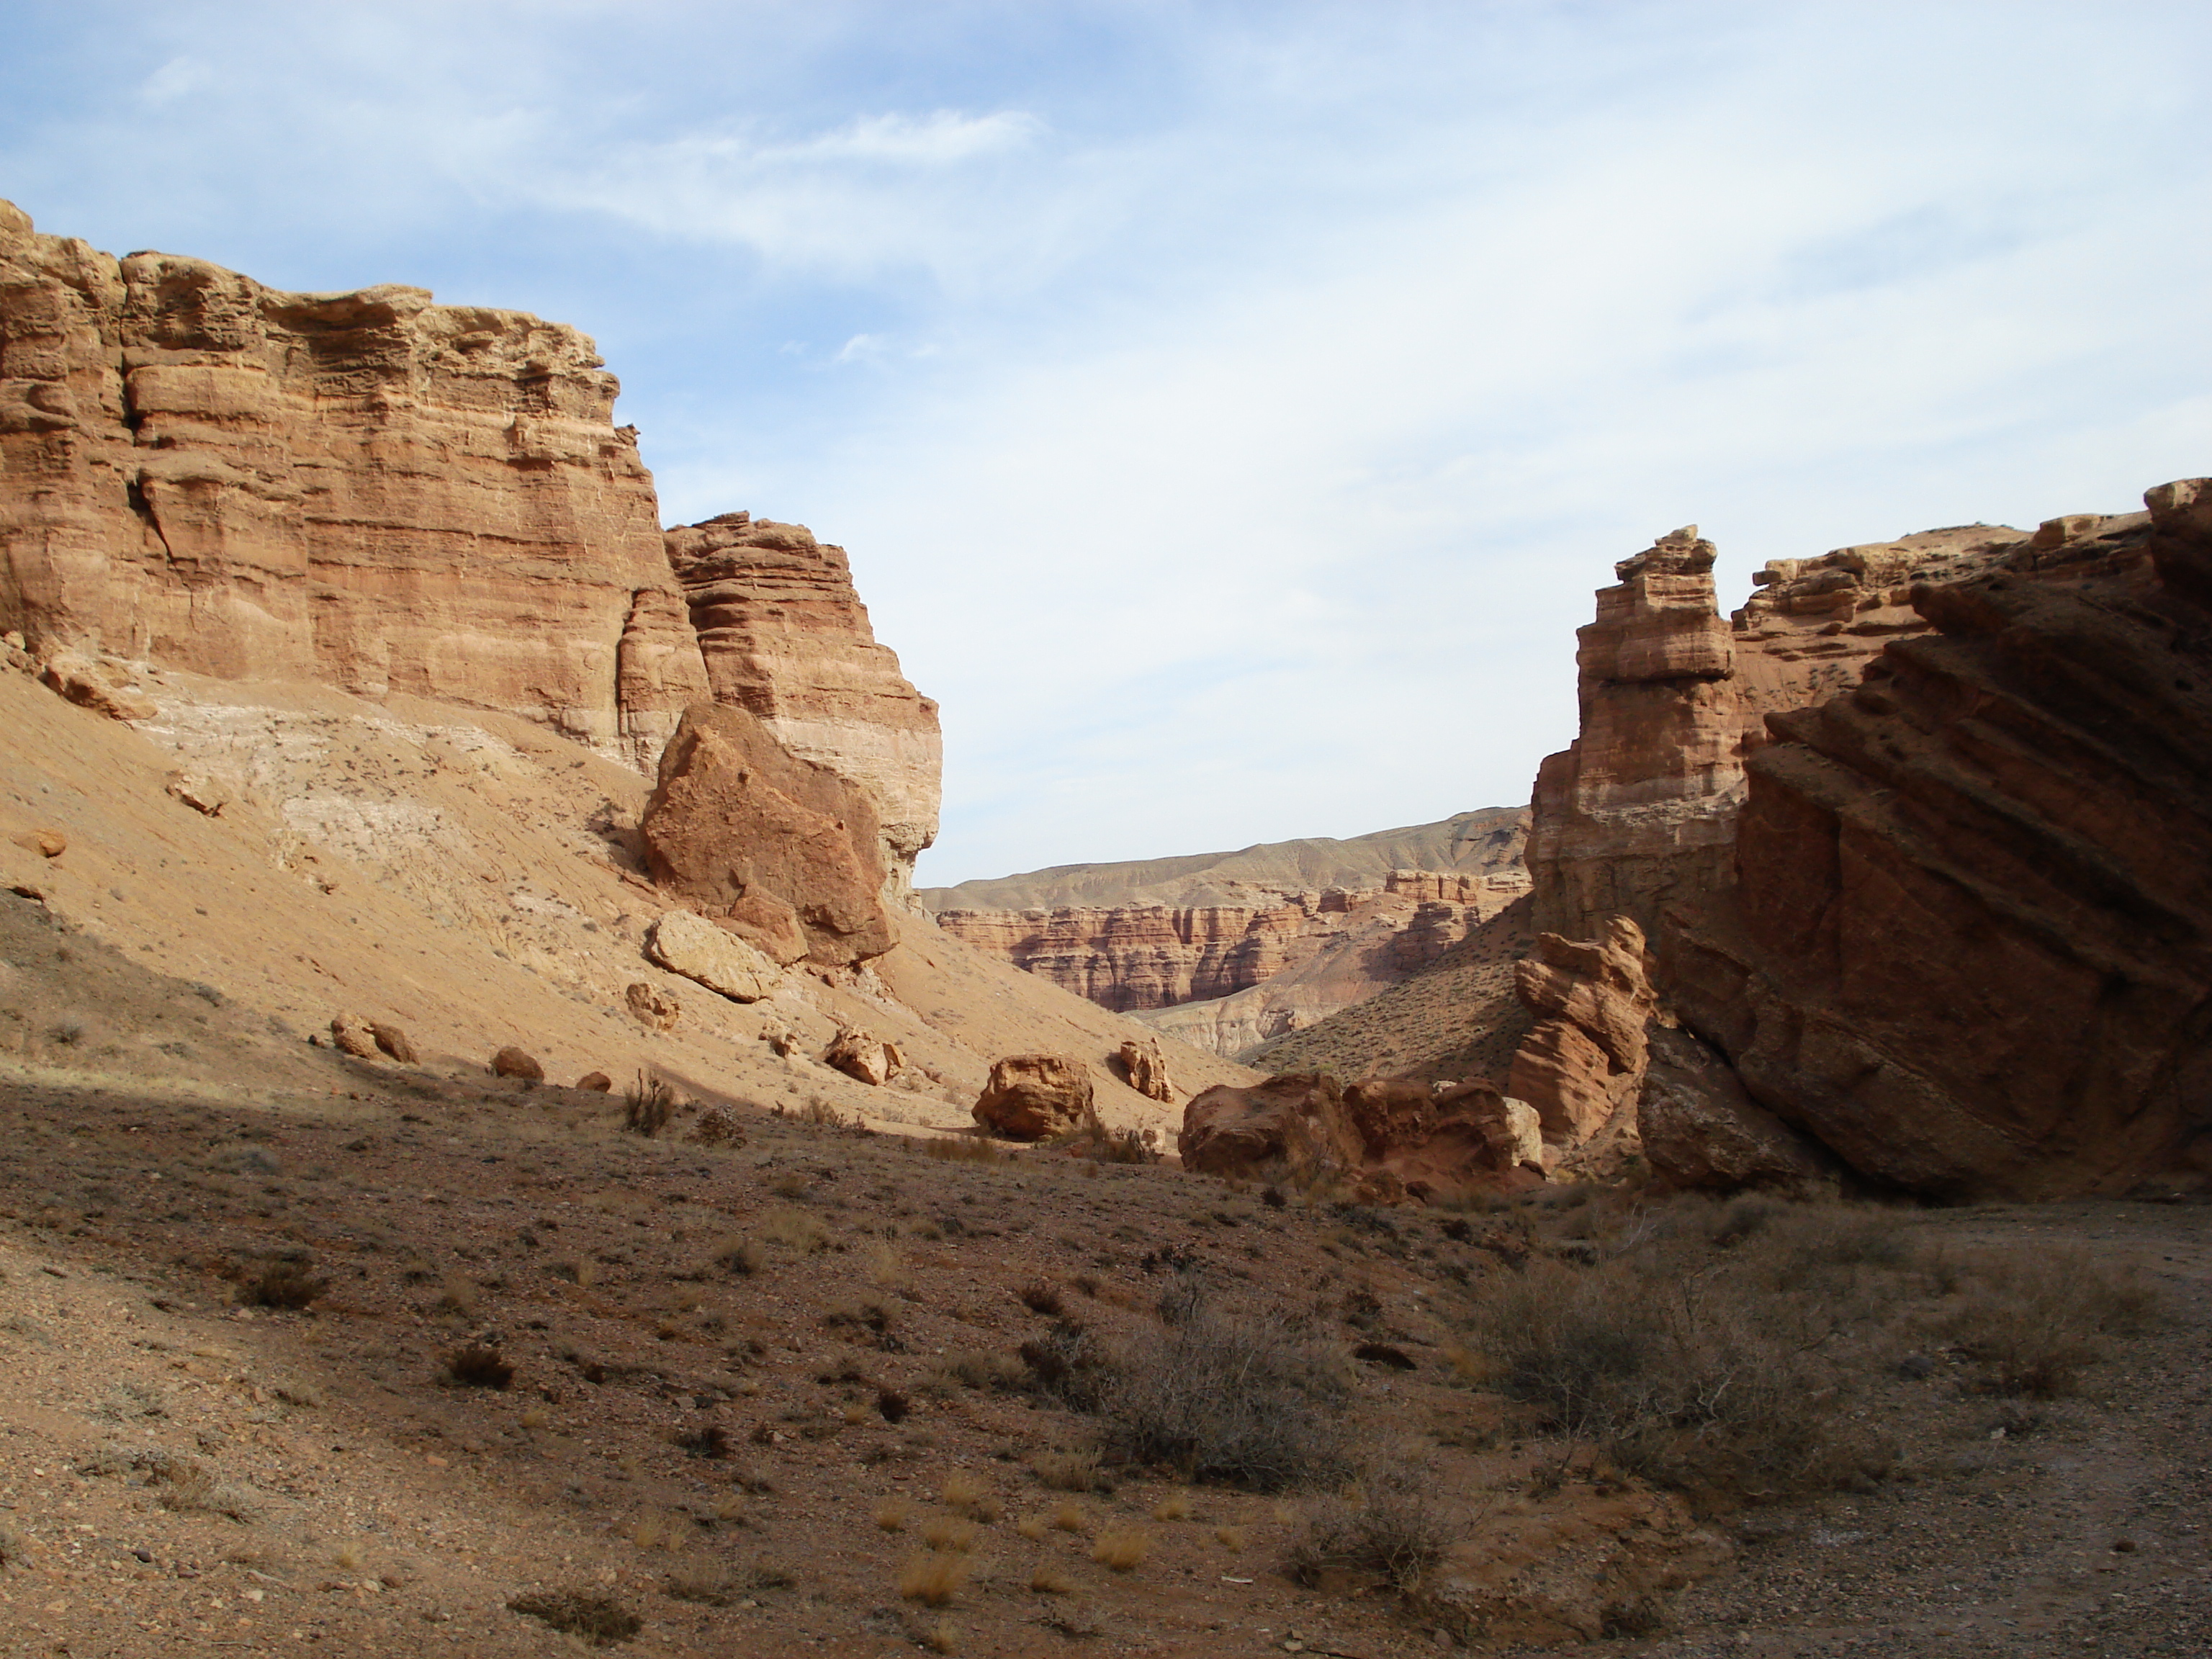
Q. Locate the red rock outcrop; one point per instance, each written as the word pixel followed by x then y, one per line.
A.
pixel 1584 1061
pixel 1640 811
pixel 1032 1096
pixel 1970 944
pixel 741 830
pixel 1383 1140
pixel 785 637
pixel 366 488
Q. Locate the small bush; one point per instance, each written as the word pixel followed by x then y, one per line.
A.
pixel 738 1255
pixel 1067 1471
pixel 942 1532
pixel 1176 1506
pixel 711 1440
pixel 648 1104
pixel 1041 1296
pixel 599 1620
pixel 284 1284
pixel 799 1230
pixel 932 1579
pixel 1047 1579
pixel 476 1366
pixel 967 1148
pixel 2035 1323
pixel 1396 1535
pixel 967 1495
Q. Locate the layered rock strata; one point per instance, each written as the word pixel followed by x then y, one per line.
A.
pixel 367 489
pixel 1584 1061
pixel 1639 811
pixel 1132 957
pixel 785 637
pixel 1969 947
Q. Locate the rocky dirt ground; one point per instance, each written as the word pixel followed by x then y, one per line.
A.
pixel 756 1383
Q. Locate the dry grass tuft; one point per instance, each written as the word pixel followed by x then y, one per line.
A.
pixel 945 1532
pixel 1230 1537
pixel 1070 1517
pixel 893 1514
pixel 800 1229
pixel 967 1148
pixel 1047 1579
pixel 1067 1471
pixel 970 1496
pixel 1041 1296
pixel 1120 1548
pixel 1176 1506
pixel 284 1284
pixel 932 1579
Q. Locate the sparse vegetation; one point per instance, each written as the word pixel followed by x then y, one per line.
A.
pixel 284 1283
pixel 1394 1533
pixel 1119 1549
pixel 477 1366
pixel 648 1104
pixel 591 1617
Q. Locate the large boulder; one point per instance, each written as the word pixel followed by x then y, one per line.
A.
pixel 1032 1096
pixel 1700 1128
pixel 861 1057
pixel 737 827
pixel 1296 1124
pixel 688 944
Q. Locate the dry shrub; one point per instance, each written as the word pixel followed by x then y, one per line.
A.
pixel 1100 1145
pixel 2034 1323
pixel 183 1484
pixel 1070 1517
pixel 286 1284
pixel 1120 1548
pixel 1041 1296
pixel 1228 1398
pixel 476 1366
pixel 973 1370
pixel 648 1104
pixel 1176 1506
pixel 738 1255
pixel 932 1579
pixel 1032 1527
pixel 598 1620
pixel 1230 1537
pixel 1047 1579
pixel 1395 1533
pixel 893 1513
pixel 971 1496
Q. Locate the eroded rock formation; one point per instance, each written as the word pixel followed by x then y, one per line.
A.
pixel 1584 1061
pixel 785 637
pixel 1970 945
pixel 367 489
pixel 766 843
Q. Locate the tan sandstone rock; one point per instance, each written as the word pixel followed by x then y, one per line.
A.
pixel 736 818
pixel 350 1034
pixel 45 842
pixel 1294 1123
pixel 1029 1097
pixel 1146 1068
pixel 862 1057
pixel 198 791
pixel 79 679
pixel 598 1082
pixel 652 1006
pixel 688 944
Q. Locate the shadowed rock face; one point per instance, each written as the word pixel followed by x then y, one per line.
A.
pixel 1970 946
pixel 366 490
pixel 743 830
pixel 785 637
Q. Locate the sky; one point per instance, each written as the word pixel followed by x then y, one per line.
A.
pixel 1230 409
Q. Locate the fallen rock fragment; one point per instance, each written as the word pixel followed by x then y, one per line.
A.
pixel 352 1035
pixel 860 1056
pixel 654 1007
pixel 1146 1068
pixel 393 1041
pixel 1701 1129
pixel 1294 1122
pixel 598 1082
pixel 199 792
pixel 686 943
pixel 512 1061
pixel 1032 1096
pixel 78 680
pixel 46 843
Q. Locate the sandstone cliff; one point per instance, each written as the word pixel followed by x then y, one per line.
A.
pixel 366 490
pixel 1969 943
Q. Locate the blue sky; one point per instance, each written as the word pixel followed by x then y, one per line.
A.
pixel 1229 408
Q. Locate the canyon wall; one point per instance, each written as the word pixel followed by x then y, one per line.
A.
pixel 373 491
pixel 1141 956
pixel 1968 942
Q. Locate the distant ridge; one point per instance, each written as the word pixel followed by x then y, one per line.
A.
pixel 1477 842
